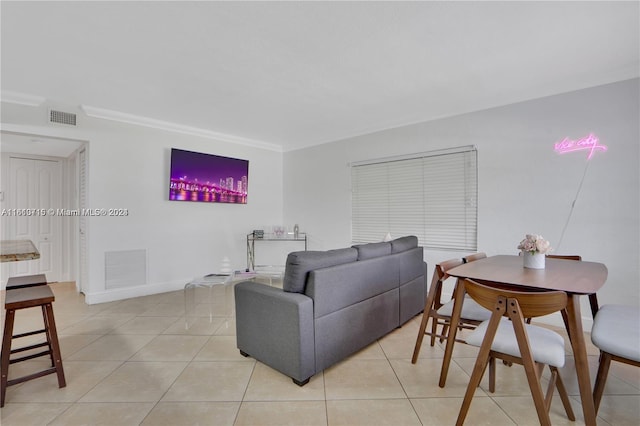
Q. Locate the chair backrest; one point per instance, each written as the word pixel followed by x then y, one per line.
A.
pixel 439 276
pixel 443 267
pixel 531 304
pixel 473 257
pixel 564 256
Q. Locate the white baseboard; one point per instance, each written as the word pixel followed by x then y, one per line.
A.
pixel 130 292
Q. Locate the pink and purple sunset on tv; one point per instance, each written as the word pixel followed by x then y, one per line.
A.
pixel 207 178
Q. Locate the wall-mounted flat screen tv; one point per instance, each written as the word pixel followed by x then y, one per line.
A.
pixel 207 178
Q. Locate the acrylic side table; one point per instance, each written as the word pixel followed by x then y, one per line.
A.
pixel 270 273
pixel 207 282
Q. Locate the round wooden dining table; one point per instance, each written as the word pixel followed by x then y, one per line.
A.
pixel 574 278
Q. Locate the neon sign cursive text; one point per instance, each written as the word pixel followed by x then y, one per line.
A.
pixel 588 143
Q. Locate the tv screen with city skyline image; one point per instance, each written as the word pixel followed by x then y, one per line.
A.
pixel 208 178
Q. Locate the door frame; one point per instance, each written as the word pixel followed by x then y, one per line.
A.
pixel 70 179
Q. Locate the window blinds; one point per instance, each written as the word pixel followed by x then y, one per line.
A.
pixel 431 195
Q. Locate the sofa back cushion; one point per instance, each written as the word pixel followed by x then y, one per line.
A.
pixel 299 263
pixel 371 250
pixel 341 286
pixel 411 264
pixel 404 243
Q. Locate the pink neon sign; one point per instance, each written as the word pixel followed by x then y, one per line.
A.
pixel 588 143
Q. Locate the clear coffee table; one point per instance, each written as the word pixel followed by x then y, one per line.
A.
pixel 207 282
pixel 261 272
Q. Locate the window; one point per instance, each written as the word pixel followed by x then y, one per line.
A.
pixel 431 195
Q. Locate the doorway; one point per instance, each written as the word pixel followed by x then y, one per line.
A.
pixel 40 186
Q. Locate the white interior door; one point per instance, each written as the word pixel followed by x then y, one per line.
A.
pixel 36 184
pixel 21 197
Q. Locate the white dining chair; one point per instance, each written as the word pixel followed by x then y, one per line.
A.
pixel 616 332
pixel 510 339
pixel 440 314
pixel 472 313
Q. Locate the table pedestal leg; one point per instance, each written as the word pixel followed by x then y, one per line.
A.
pixel 580 355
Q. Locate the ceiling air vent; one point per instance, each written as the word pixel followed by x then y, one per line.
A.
pixel 62 117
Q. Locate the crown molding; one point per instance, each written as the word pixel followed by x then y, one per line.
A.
pixel 22 98
pixel 50 132
pixel 122 117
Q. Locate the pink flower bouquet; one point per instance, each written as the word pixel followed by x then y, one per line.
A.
pixel 535 244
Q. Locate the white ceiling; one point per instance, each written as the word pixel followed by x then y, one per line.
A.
pixel 297 74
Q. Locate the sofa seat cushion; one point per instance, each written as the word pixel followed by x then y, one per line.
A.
pixel 299 263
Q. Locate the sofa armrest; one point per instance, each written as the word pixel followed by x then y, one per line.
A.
pixel 276 328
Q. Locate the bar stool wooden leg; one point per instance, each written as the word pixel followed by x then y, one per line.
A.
pixel 48 334
pixel 55 345
pixel 6 352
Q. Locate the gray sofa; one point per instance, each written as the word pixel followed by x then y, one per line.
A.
pixel 332 304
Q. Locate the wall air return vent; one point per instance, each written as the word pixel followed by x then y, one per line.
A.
pixel 127 268
pixel 61 117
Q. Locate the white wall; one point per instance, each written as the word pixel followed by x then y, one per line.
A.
pixel 524 186
pixel 129 168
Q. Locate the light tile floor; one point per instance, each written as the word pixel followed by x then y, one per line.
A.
pixel 133 362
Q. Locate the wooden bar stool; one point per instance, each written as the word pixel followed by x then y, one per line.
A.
pixel 23 298
pixel 26 281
